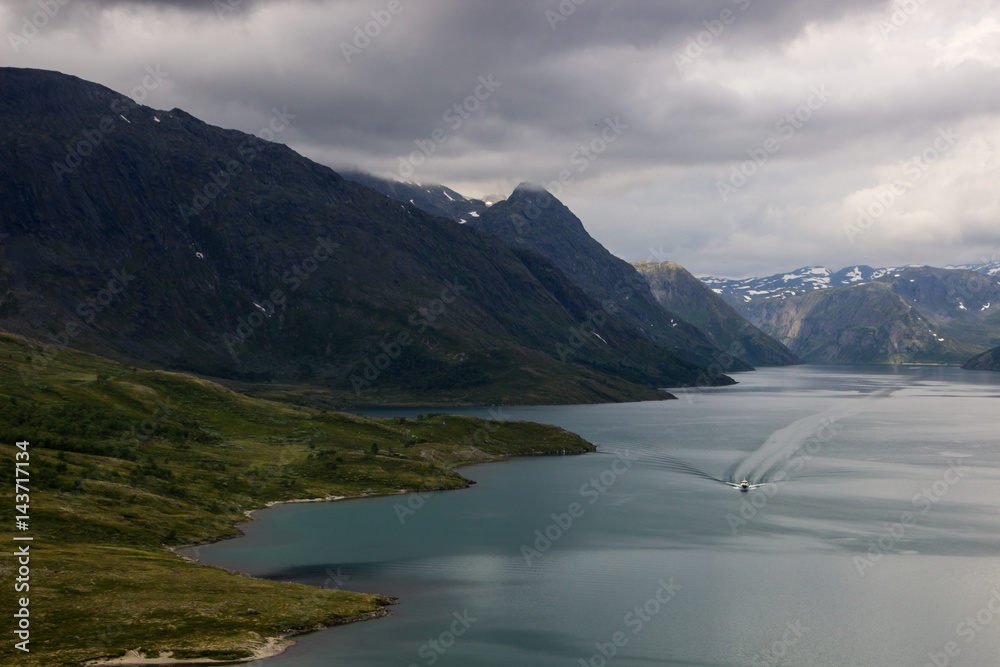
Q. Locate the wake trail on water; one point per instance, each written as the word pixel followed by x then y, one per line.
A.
pixel 763 464
pixel 674 464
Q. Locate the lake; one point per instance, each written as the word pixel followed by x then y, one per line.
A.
pixel 872 538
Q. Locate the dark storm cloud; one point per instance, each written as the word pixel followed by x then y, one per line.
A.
pixel 700 85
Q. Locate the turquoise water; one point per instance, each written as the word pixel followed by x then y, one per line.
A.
pixel 874 538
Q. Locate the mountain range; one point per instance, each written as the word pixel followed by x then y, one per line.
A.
pixel 676 289
pixel 697 323
pixel 154 238
pixel 862 314
pixel 158 240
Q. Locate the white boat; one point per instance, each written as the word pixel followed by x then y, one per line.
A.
pixel 744 486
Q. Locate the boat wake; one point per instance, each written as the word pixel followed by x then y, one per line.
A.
pixel 780 454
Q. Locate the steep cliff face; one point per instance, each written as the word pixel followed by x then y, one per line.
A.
pixel 151 235
pixel 866 323
pixel 959 310
pixel 680 292
pixel 532 218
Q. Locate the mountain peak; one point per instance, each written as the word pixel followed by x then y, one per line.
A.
pixel 533 215
pixel 529 188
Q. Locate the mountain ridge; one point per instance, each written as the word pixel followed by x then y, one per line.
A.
pixel 534 219
pixel 238 258
pixel 679 291
pixel 920 313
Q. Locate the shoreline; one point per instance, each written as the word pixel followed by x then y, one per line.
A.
pixel 271 647
pixel 276 645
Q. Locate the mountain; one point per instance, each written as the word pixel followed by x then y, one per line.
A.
pixel 153 237
pixel 860 314
pixel 741 292
pixel 680 292
pixel 867 323
pixel 987 361
pixel 533 219
pixel 991 268
pixel 437 200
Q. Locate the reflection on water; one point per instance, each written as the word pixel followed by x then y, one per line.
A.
pixel 872 537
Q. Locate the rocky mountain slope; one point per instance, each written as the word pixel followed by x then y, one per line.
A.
pixel 149 235
pixel 680 292
pixel 531 218
pixel 860 314
pixel 698 305
pixel 866 323
pixel 434 199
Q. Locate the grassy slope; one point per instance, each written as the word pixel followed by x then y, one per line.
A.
pixel 126 461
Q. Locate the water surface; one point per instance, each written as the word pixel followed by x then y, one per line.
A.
pixel 872 540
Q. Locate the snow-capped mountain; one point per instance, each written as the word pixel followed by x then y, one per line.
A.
pixel 791 283
pixel 991 268
pixel 862 314
pixel 741 291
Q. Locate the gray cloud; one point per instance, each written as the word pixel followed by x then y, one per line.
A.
pixel 701 85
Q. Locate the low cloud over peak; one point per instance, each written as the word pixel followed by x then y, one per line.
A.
pixel 754 136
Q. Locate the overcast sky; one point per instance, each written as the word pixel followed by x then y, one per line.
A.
pixel 736 137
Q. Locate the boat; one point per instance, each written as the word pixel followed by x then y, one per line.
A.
pixel 744 486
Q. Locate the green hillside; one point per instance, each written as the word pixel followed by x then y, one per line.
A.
pixel 125 462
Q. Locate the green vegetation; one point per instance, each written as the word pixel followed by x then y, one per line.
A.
pixel 125 462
